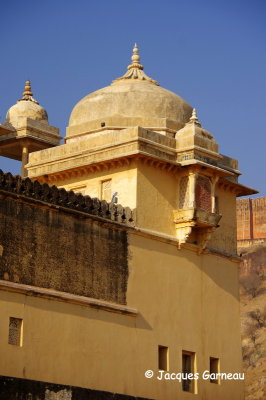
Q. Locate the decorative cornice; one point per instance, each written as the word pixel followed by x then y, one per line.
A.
pixel 236 188
pixel 89 153
pixel 81 171
pixel 59 176
pixel 54 196
pixel 135 70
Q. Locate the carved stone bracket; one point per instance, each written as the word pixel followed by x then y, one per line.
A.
pixel 205 237
pixel 182 233
pixel 194 220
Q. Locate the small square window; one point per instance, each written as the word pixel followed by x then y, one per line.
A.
pixel 15 331
pixel 163 362
pixel 188 367
pixel 214 370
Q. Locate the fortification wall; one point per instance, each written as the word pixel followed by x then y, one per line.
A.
pixel 54 239
pixel 251 219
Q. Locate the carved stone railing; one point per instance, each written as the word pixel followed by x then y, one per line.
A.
pixel 60 197
pixel 198 216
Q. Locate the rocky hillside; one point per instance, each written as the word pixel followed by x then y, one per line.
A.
pixel 253 321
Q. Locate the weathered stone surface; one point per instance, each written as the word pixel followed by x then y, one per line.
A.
pixel 25 389
pixel 55 249
pixel 61 197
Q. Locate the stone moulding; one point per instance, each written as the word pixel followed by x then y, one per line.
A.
pixel 56 295
pixel 68 199
pixel 102 149
pixel 105 166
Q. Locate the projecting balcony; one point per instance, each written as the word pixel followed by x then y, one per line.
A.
pixel 197 217
pixel 195 223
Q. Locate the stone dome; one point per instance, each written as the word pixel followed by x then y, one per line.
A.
pixel 134 98
pixel 26 107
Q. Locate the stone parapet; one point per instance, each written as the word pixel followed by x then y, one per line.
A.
pixel 198 216
pixel 68 199
pixel 101 148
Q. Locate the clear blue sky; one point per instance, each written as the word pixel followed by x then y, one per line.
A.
pixel 211 53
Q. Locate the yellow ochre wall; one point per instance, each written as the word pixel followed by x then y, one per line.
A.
pixel 224 238
pixel 154 193
pixel 124 181
pixel 157 198
pixel 183 301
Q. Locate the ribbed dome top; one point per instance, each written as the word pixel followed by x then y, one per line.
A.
pixel 134 95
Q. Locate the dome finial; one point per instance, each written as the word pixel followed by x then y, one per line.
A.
pixel 27 94
pixel 194 117
pixel 136 58
pixel 27 90
pixel 135 69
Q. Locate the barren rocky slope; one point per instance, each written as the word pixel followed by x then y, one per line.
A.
pixel 253 321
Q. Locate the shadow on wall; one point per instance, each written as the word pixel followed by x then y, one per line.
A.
pixel 187 266
pixel 24 389
pixel 89 313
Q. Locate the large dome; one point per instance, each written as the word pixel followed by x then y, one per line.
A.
pixel 134 99
pixel 131 99
pixel 27 107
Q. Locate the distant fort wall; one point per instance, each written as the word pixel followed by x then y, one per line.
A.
pixel 251 222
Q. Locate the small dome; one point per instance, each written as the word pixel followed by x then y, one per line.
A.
pixel 26 107
pixel 133 96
